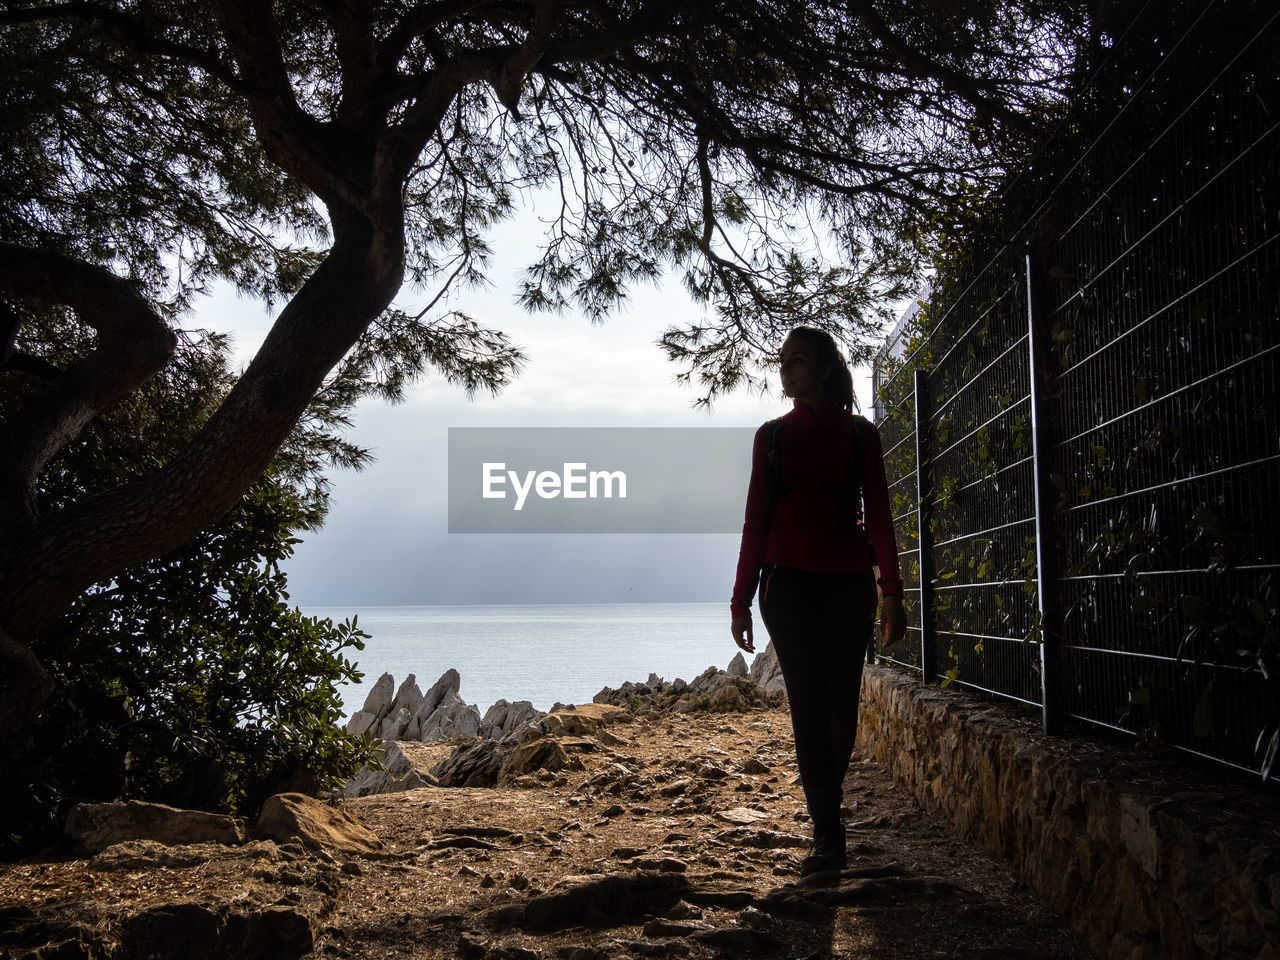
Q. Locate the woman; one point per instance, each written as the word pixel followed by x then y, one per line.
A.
pixel 805 542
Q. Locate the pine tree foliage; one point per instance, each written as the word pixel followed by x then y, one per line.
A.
pixel 784 159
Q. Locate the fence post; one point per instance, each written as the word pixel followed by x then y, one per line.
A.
pixel 924 540
pixel 1042 442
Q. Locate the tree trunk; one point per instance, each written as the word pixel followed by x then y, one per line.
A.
pixel 45 566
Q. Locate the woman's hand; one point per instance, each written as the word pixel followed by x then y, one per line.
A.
pixel 893 621
pixel 741 629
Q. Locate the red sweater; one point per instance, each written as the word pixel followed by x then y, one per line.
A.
pixel 815 523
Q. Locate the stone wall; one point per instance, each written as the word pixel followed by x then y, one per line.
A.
pixel 1147 857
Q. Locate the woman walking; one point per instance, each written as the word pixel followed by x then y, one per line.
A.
pixel 807 543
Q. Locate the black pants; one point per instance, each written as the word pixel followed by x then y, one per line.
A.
pixel 820 624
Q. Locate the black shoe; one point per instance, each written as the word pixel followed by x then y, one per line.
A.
pixel 827 852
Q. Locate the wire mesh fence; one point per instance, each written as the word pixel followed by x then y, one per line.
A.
pixel 1081 431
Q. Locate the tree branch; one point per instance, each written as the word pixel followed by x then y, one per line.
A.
pixel 129 32
pixel 963 86
pixel 332 162
pixel 133 344
pixel 517 66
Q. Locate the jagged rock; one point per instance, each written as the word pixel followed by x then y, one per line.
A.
pixel 394 762
pixel 100 825
pixel 452 718
pixel 503 718
pixel 737 666
pixel 448 683
pixel 408 697
pixel 704 681
pixel 378 702
pixel 767 672
pixel 361 721
pixel 544 754
pixel 679 686
pixel 397 775
pixel 726 699
pixel 293 816
pixel 394 726
pixel 471 765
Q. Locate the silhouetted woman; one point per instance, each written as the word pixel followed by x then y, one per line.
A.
pixel 808 546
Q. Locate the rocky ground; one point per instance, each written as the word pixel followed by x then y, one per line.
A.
pixel 664 835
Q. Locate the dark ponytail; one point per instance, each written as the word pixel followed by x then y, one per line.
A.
pixel 837 384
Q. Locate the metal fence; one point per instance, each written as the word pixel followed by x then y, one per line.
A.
pixel 1094 528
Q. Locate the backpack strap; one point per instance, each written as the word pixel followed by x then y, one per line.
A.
pixel 774 487
pixel 859 445
pixel 861 428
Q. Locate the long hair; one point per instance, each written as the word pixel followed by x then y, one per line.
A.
pixel 837 385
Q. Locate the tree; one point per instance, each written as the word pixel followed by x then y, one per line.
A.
pixel 381 140
pixel 187 679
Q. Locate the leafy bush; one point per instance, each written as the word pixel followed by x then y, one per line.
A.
pixel 189 680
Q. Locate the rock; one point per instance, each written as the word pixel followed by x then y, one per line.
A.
pixel 408 697
pixel 704 681
pixel 99 825
pixel 742 816
pixel 361 721
pixel 676 787
pixel 545 754
pixel 767 672
pixel 612 900
pixel 737 666
pixel 279 931
pixel 136 855
pixel 198 930
pixel 378 702
pixel 451 718
pixel 759 838
pixel 175 930
pixel 394 762
pixel 394 727
pixel 583 720
pixel 448 683
pixel 470 765
pixel 398 774
pixel 726 699
pixel 504 719
pixel 294 816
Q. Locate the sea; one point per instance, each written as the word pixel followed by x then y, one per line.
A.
pixel 544 653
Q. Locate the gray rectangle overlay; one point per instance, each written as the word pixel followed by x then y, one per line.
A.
pixel 598 479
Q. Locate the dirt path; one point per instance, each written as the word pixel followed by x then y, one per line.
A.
pixel 682 841
pixel 673 835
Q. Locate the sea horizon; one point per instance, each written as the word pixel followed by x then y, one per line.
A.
pixel 546 653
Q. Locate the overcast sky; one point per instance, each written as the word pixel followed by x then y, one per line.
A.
pixel 387 541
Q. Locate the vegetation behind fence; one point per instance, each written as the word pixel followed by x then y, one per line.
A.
pixel 1098 526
